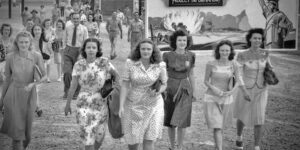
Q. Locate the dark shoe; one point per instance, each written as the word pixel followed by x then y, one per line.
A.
pixel 65 96
pixel 113 56
pixel 239 145
pixel 39 112
pixel 74 98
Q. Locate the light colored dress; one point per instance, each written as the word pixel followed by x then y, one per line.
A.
pixel 19 105
pixel 252 113
pixel 92 110
pixel 143 114
pixel 218 110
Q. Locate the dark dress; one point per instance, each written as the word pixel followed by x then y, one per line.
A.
pixel 178 101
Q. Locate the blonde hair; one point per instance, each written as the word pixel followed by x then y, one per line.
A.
pixel 22 34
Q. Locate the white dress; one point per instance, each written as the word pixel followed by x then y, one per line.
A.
pixel 143 114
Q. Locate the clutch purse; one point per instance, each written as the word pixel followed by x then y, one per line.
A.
pixel 270 76
pixel 37 73
pixel 156 85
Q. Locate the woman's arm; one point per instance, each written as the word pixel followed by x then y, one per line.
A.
pixel 208 72
pixel 123 94
pixel 192 81
pixel 163 77
pixel 74 84
pixel 7 80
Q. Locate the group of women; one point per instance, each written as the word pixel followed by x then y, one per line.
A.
pixel 143 110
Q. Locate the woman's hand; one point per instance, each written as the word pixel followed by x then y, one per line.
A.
pixel 228 93
pixel 246 95
pixel 121 111
pixel 29 87
pixel 68 109
pixel 153 93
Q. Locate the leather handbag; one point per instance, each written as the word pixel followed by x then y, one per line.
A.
pixel 107 88
pixel 156 85
pixel 270 77
pixel 114 121
pixel 45 56
pixel 55 45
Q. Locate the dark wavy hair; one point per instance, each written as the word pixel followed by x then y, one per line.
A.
pixel 224 42
pixel 251 32
pixel 174 36
pixel 98 43
pixel 44 22
pixel 156 54
pixel 42 38
pixel 62 22
pixel 6 25
pixel 88 16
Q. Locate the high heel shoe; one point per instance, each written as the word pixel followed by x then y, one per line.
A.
pixel 39 112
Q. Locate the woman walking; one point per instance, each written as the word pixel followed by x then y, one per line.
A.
pixel 218 98
pixel 252 99
pixel 181 87
pixel 91 73
pixel 141 107
pixel 19 90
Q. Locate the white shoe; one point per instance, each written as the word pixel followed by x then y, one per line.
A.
pixel 48 80
pixel 59 79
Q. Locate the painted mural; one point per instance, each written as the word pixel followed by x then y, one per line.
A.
pixel 209 24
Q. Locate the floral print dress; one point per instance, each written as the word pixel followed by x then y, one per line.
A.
pixel 92 110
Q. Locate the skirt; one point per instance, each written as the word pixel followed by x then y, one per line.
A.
pixel 218 115
pixel 19 107
pixel 178 103
pixel 253 112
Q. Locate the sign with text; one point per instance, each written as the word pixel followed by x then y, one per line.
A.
pixel 176 3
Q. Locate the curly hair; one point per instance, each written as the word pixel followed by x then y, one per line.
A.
pixel 98 43
pixel 6 25
pixel 62 22
pixel 22 34
pixel 173 39
pixel 224 42
pixel 156 54
pixel 250 34
pixel 44 22
pixel 88 17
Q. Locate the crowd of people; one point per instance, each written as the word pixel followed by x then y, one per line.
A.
pixel 235 84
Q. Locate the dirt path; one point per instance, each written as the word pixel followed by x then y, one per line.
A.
pixel 54 131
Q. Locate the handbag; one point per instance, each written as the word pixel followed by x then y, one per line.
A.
pixel 55 45
pixel 232 82
pixel 45 56
pixel 114 121
pixel 270 77
pixel 107 88
pixel 156 85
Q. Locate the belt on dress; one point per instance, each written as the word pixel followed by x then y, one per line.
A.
pixel 19 84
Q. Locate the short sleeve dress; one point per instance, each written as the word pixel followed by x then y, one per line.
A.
pixel 178 102
pixel 143 114
pixel 19 104
pixel 92 109
pixel 253 112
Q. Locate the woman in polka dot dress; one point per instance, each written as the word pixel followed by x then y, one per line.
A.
pixel 142 108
